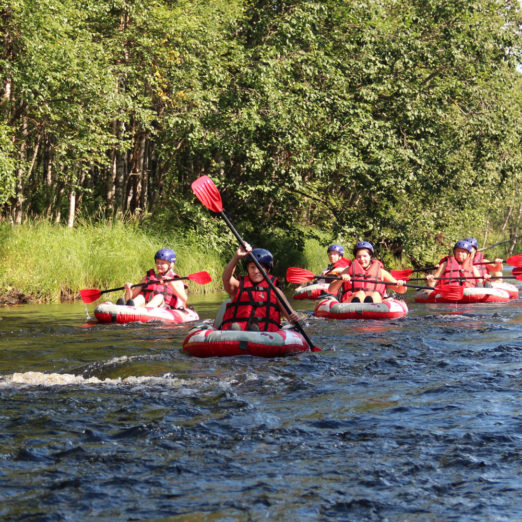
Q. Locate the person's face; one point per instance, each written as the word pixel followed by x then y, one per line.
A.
pixel 363 256
pixel 461 254
pixel 253 272
pixel 162 266
pixel 333 256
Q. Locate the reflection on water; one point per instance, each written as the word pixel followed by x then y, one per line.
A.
pixel 412 419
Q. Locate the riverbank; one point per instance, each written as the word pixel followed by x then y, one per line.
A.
pixel 48 263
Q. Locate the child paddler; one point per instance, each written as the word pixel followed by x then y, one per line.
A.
pixel 254 305
pixel 158 292
pixel 494 268
pixel 337 260
pixel 457 268
pixel 364 266
pixel 337 264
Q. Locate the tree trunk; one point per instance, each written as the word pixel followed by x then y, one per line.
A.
pixel 72 208
pixel 20 176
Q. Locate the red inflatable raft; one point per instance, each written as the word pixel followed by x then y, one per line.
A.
pixel 471 295
pixel 311 291
pixel 512 290
pixel 112 313
pixel 205 341
pixel 331 308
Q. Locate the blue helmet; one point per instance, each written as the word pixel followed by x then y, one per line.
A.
pixel 363 244
pixel 263 256
pixel 472 241
pixel 166 254
pixel 336 248
pixel 465 245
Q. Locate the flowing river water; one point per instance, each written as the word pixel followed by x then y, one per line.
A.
pixel 413 419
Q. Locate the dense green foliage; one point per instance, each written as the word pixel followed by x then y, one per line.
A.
pixel 397 122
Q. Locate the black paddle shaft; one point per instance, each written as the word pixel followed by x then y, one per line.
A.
pixel 287 307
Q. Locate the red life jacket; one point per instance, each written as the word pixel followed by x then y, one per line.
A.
pixel 157 287
pixel 479 257
pixel 356 271
pixel 455 271
pixel 253 304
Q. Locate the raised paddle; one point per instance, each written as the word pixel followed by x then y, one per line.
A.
pixel 207 192
pixel 300 275
pixel 89 295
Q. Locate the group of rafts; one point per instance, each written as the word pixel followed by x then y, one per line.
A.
pixel 357 289
pixel 251 322
pixel 346 289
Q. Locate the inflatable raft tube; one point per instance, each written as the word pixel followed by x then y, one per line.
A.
pixel 512 290
pixel 205 341
pixel 471 295
pixel 113 313
pixel 311 291
pixel 331 308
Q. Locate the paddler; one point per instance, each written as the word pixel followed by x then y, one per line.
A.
pixel 253 306
pixel 494 268
pixel 337 260
pixel 457 268
pixel 337 264
pixel 364 266
pixel 158 291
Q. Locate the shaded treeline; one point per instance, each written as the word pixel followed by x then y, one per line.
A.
pixel 395 121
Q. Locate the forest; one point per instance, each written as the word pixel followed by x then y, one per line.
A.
pixel 396 121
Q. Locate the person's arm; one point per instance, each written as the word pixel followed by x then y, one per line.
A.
pixel 476 273
pixel 336 285
pixel 178 289
pixel 293 317
pixel 430 278
pixel 399 286
pixel 131 293
pixel 495 268
pixel 230 283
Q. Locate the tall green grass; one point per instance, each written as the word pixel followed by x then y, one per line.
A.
pixel 49 261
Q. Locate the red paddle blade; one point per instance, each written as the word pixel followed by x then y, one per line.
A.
pixel 207 193
pixel 299 275
pixel 517 272
pixel 89 295
pixel 401 274
pixel 451 292
pixel 515 260
pixel 201 278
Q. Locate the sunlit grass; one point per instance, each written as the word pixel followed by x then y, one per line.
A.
pixel 48 261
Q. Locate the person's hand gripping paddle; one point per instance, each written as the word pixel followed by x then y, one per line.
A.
pixel 207 192
pixel 89 295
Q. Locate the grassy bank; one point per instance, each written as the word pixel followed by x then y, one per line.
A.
pixel 44 262
pixel 49 263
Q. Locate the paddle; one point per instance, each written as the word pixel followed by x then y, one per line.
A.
pixel 300 275
pixel 512 261
pixel 89 295
pixel 496 244
pixel 517 274
pixel 209 195
pixel 401 274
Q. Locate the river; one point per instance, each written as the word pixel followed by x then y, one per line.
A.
pixel 413 419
